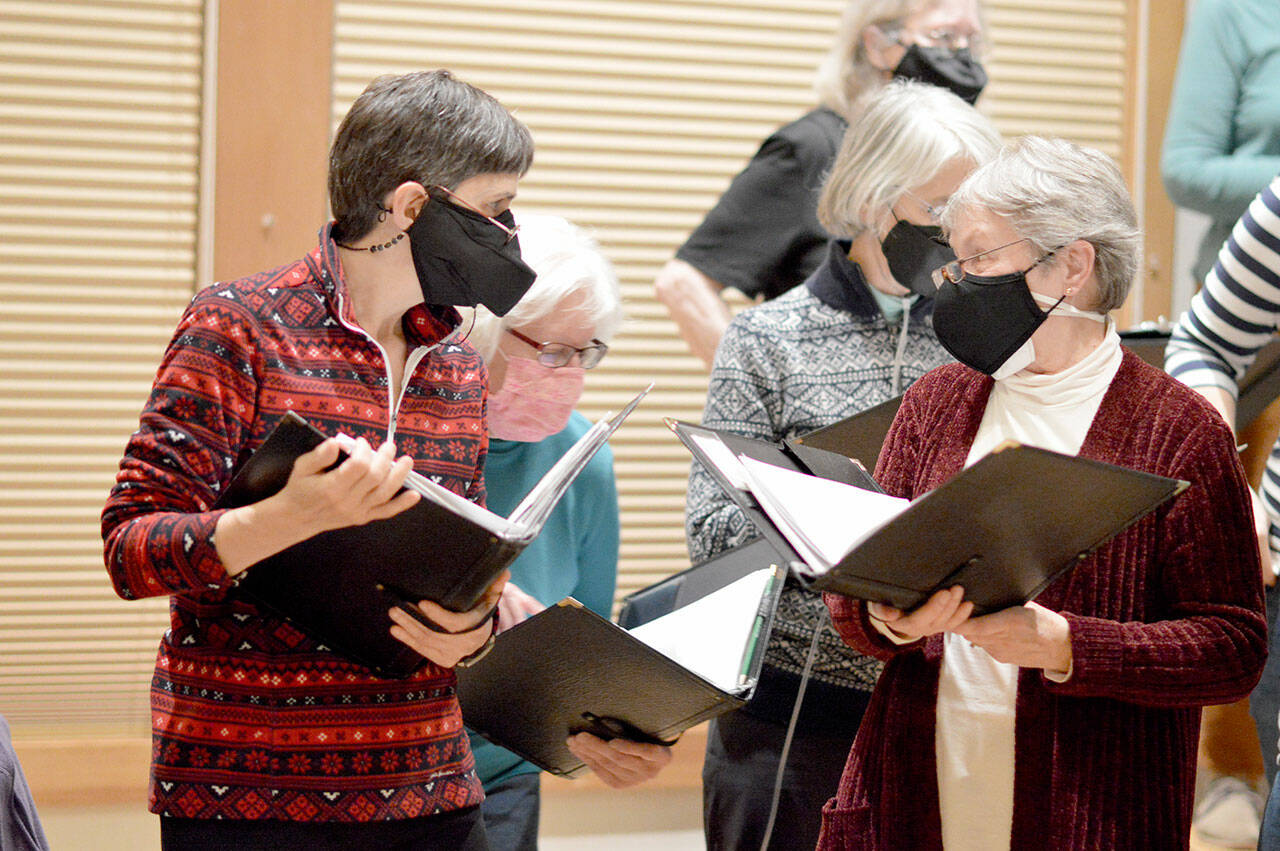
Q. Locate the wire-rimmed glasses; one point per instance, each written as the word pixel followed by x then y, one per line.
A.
pixel 953 272
pixel 559 354
pixel 509 230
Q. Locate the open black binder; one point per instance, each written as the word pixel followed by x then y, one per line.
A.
pixel 788 454
pixel 567 670
pixel 338 585
pixel 1004 528
pixel 858 436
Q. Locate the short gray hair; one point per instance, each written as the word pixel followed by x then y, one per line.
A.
pixel 567 261
pixel 908 133
pixel 845 73
pixel 1053 192
pixel 426 126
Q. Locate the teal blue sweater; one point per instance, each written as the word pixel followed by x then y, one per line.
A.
pixel 576 555
pixel 1222 140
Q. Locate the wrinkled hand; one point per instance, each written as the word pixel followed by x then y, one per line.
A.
pixel 942 612
pixel 361 489
pixel 445 649
pixel 619 762
pixel 1262 528
pixel 514 606
pixel 1029 636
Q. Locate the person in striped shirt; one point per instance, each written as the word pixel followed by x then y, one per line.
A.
pixel 1234 315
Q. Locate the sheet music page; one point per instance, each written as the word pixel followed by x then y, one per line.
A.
pixel 822 519
pixel 710 635
pixel 722 456
pixel 460 505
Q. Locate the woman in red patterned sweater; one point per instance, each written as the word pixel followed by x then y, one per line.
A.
pixel 1070 722
pixel 263 737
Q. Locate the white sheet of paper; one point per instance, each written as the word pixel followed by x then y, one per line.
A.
pixel 817 515
pixel 722 456
pixel 709 636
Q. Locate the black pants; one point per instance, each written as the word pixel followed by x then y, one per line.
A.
pixel 738 777
pixel 459 830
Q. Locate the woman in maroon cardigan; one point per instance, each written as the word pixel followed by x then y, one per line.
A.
pixel 1070 722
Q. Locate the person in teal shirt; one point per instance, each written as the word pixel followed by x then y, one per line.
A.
pixel 537 355
pixel 1222 138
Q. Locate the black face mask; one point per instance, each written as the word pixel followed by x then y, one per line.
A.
pixel 956 70
pixel 983 320
pixel 463 260
pixel 913 252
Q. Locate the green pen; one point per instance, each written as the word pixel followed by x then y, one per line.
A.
pixel 762 614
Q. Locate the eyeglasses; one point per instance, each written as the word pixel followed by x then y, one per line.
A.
pixel 509 230
pixel 934 213
pixel 951 39
pixel 953 272
pixel 559 354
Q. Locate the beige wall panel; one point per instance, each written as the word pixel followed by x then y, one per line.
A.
pixel 99 152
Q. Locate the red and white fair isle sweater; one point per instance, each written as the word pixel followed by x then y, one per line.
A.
pixel 252 718
pixel 1165 618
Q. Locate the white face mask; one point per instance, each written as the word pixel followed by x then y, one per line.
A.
pixel 1018 361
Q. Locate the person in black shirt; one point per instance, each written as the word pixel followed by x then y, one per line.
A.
pixel 763 237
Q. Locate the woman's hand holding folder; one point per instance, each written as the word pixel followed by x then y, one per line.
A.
pixel 1029 635
pixel 469 633
pixel 619 762
pixel 317 497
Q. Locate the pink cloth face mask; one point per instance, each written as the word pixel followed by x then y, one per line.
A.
pixel 534 401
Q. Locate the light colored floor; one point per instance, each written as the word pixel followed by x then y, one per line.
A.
pixel 624 821
pixel 128 829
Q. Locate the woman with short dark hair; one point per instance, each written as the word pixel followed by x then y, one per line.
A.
pixel 265 737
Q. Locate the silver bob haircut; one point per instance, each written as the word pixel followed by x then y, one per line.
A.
pixel 568 261
pixel 907 134
pixel 845 73
pixel 1053 192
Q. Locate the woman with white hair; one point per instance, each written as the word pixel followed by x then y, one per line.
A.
pixel 537 355
pixel 1070 722
pixel 762 237
pixel 856 334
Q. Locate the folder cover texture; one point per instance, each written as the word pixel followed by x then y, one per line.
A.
pixel 567 670
pixel 339 584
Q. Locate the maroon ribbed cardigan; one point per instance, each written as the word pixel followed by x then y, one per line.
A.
pixel 1165 618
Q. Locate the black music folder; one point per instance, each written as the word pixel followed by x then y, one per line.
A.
pixel 1003 528
pixel 858 436
pixel 338 585
pixel 567 670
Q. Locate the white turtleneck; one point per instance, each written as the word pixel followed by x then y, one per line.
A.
pixel 977 696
